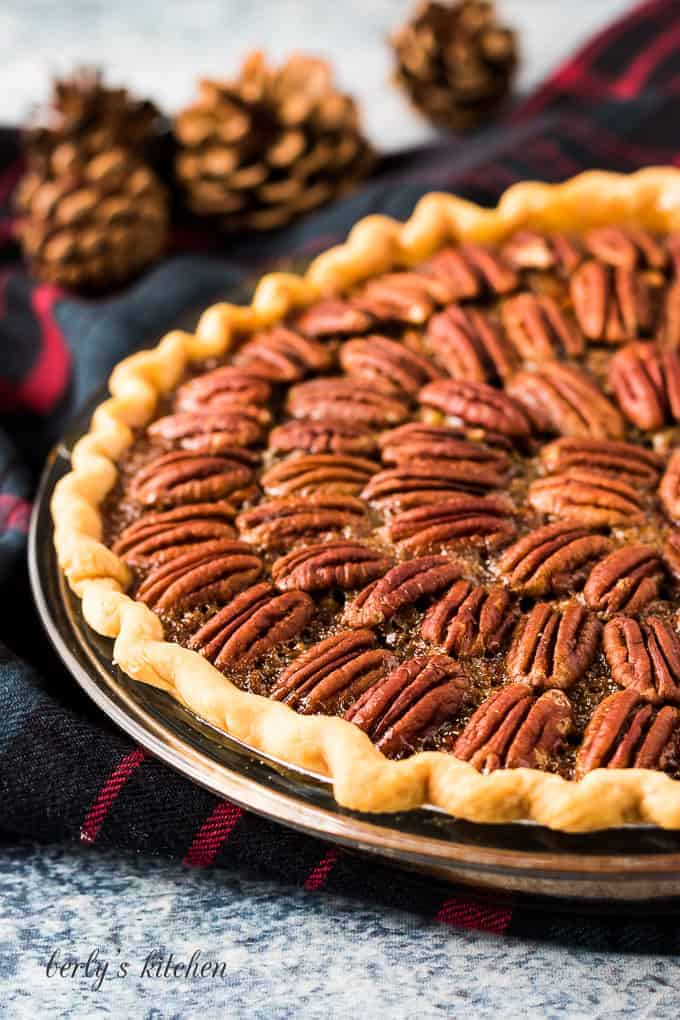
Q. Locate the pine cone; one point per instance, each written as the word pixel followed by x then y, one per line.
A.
pixel 91 213
pixel 456 62
pixel 274 143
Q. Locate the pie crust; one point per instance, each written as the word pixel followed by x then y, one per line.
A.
pixel 363 779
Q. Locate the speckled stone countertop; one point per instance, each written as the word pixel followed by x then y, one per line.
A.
pixel 274 952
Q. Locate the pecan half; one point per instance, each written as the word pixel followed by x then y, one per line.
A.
pixel 305 474
pixel 333 673
pixel 563 399
pixel 555 559
pixel 278 523
pixel 626 247
pixel 668 327
pixel 528 249
pixel 416 441
pixel 469 345
pixel 279 355
pixel 587 496
pixel 401 297
pixel 625 580
pixel 626 733
pixel 401 586
pixel 644 657
pixel 344 400
pixel 329 565
pixel 333 317
pixel 611 305
pixel 212 432
pixel 671 555
pixel 222 389
pixel 513 729
pixel 627 461
pixel 539 330
pixel 646 382
pixel 669 490
pixel 211 572
pixel 256 621
pixel 553 647
pixel 185 477
pixel 159 537
pixel 323 436
pixel 474 521
pixel 429 481
pixel 470 620
pixel 410 704
pixel 477 405
pixel 471 270
pixel 386 365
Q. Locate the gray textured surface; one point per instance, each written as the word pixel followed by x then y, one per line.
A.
pixel 287 954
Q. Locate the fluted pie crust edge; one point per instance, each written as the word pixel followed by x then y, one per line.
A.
pixel 363 779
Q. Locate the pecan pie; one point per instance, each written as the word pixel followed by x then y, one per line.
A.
pixel 412 521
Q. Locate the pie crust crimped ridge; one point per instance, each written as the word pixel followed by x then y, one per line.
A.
pixel 363 779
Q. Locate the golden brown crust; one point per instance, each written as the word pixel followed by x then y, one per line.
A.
pixel 363 779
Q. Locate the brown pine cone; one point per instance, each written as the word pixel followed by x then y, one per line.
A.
pixel 455 62
pixel 269 145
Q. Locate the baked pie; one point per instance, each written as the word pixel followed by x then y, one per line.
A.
pixel 412 521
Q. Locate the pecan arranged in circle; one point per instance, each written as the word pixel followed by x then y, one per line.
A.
pixel 222 390
pixel 469 345
pixel 626 733
pixel 333 317
pixel 214 432
pixel 416 441
pixel 302 475
pixel 420 483
pixel 211 572
pixel 470 620
pixel 159 537
pixel 474 521
pixel 644 657
pixel 477 405
pixel 513 729
pixel 553 647
pixel 625 580
pixel 669 490
pixel 277 523
pixel 386 365
pixel 528 249
pixel 333 673
pixel 668 327
pixel 671 555
pixel 611 304
pixel 401 297
pixel 626 247
pixel 344 400
pixel 539 329
pixel 401 586
pixel 588 496
pixel 555 559
pixel 563 399
pixel 646 382
pixel 626 461
pixel 329 565
pixel 410 704
pixel 471 270
pixel 281 356
pixel 256 621
pixel 185 477
pixel 322 436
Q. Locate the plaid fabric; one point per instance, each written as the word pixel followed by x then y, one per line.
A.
pixel 65 772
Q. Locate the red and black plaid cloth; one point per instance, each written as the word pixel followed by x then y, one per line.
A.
pixel 65 773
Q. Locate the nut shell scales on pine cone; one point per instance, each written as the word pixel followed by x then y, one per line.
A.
pixel 260 150
pixel 455 62
pixel 91 211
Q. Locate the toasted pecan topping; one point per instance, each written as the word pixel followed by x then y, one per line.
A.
pixel 333 317
pixel 625 732
pixel 422 482
pixel 470 620
pixel 626 247
pixel 212 432
pixel 644 657
pixel 612 305
pixel 158 537
pixel 472 270
pixel 419 442
pixel 185 477
pixel 588 496
pixel 477 405
pixel 401 586
pixel 472 521
pixel 346 401
pixel 386 365
pixel 280 355
pixel 669 490
pixel 221 390
pixel 555 559
pixel 513 729
pixel 539 330
pixel 302 475
pixel 413 702
pixel 626 461
pixel 329 565
pixel 210 572
pixel 277 523
pixel 646 382
pixel 323 436
pixel 468 344
pixel 625 580
pixel 553 647
pixel 529 249
pixel 562 399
